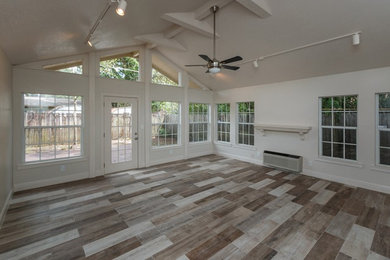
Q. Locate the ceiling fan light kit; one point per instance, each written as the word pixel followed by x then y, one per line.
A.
pixel 214 65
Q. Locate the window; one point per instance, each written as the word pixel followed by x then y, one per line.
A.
pixel 199 122
pixel 246 119
pixel 383 128
pixel 165 123
pixel 338 127
pixel 162 73
pixel 223 122
pixel 75 67
pixel 123 66
pixel 52 127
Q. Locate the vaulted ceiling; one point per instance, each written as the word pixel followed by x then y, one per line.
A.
pixel 41 29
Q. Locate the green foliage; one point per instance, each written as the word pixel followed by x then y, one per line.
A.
pixel 246 107
pixel 168 107
pixel 159 78
pixel 198 108
pixel 338 103
pixel 384 101
pixel 223 108
pixel 120 68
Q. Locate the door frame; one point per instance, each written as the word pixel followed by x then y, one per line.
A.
pixel 103 129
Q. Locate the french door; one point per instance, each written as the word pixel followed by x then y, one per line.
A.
pixel 120 134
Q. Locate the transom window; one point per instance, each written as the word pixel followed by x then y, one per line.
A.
pixel 383 128
pixel 52 127
pixel 338 129
pixel 163 73
pixel 74 67
pixel 165 123
pixel 223 122
pixel 122 66
pixel 246 120
pixel 199 121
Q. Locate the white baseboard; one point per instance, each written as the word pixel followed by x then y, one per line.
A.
pixel 241 158
pixel 198 154
pixel 48 182
pixel 348 181
pixel 5 207
pixel 321 175
pixel 168 160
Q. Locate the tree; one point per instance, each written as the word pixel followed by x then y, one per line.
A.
pixel 120 68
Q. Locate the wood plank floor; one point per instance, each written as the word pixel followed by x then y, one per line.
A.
pixel 203 208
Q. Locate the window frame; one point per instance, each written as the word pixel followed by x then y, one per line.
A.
pixel 225 122
pixel 377 132
pixel 320 128
pixel 54 160
pixel 238 124
pixel 118 52
pixel 179 133
pixel 57 67
pixel 208 140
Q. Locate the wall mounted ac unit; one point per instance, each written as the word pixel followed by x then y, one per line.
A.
pixel 283 161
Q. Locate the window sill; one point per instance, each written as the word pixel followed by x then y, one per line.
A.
pixel 223 143
pixel 198 143
pixel 167 147
pixel 24 166
pixel 348 163
pixel 246 147
pixel 381 168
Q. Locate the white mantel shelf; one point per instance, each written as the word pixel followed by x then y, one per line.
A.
pixel 301 130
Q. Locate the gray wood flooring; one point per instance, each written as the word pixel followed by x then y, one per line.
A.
pixel 203 208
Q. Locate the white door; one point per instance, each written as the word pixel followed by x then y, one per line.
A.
pixel 121 134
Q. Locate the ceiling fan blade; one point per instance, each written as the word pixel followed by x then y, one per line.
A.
pixel 230 67
pixel 195 65
pixel 205 57
pixel 234 59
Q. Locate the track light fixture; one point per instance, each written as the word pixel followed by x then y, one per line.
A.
pixel 356 39
pixel 355 42
pixel 120 10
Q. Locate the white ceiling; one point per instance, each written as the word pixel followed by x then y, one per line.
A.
pixel 41 29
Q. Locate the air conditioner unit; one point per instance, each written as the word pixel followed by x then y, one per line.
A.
pixel 283 161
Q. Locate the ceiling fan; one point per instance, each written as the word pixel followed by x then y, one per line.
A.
pixel 213 65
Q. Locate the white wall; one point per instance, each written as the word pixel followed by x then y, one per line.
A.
pixel 296 103
pixel 46 82
pixel 32 79
pixel 5 133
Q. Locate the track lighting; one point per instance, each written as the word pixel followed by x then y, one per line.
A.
pixel 355 42
pixel 120 10
pixel 356 39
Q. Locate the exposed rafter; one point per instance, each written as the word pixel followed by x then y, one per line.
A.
pixel 258 7
pixel 188 21
pixel 192 20
pixel 204 11
pixel 173 31
pixel 158 39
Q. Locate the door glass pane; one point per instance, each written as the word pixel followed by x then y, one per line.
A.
pixel 121 132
